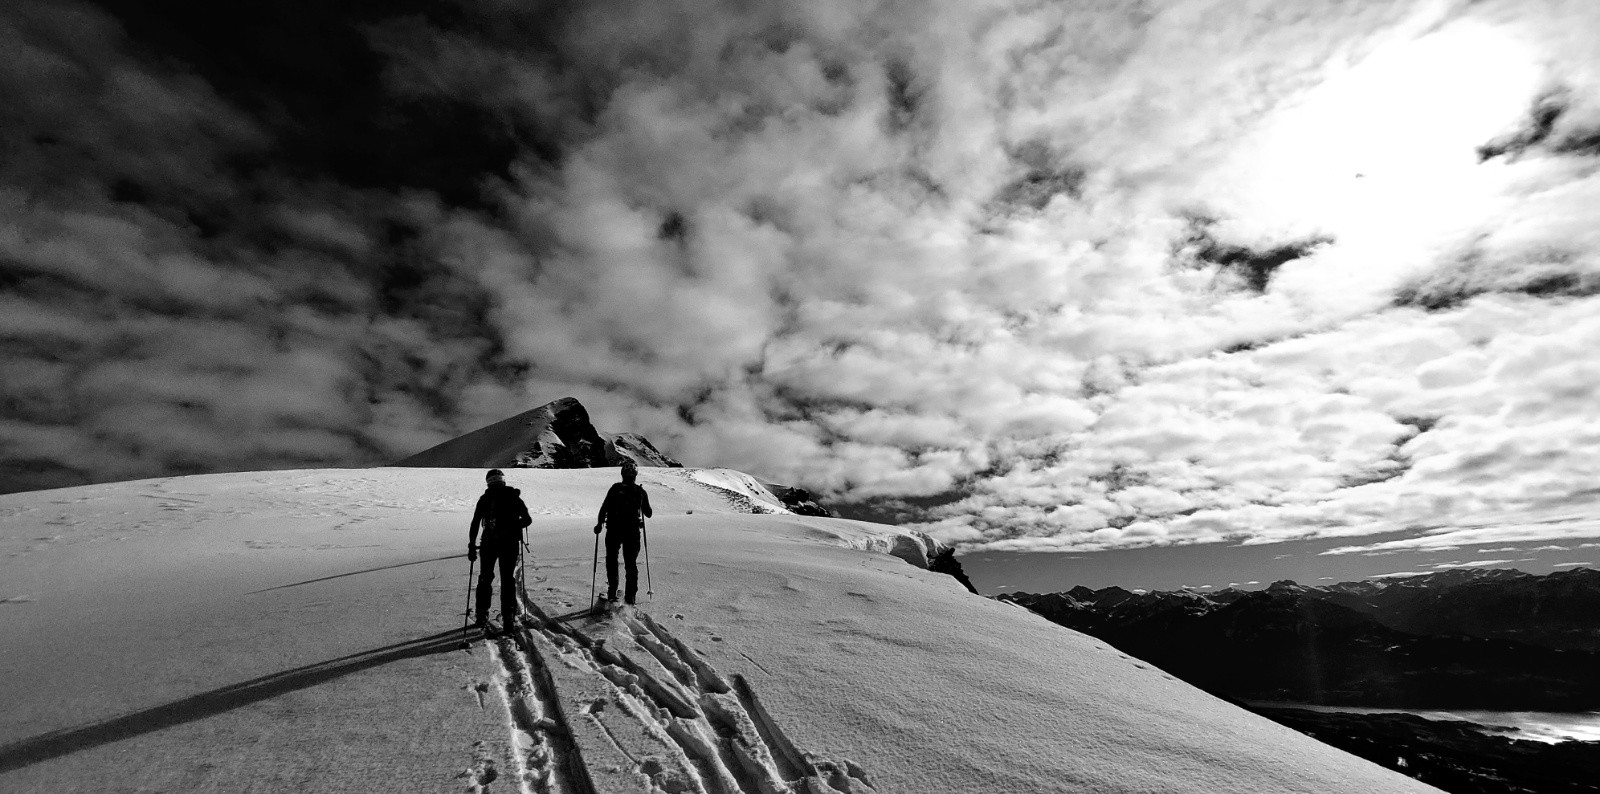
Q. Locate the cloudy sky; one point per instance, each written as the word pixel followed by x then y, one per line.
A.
pixel 1056 276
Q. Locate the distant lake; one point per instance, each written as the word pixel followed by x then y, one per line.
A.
pixel 1541 726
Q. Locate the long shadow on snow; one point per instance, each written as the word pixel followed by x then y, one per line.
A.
pixel 207 704
pixel 355 573
pixel 570 616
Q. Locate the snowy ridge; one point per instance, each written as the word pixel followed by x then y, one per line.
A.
pixel 913 546
pixel 744 493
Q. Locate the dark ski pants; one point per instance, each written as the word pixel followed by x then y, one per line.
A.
pixel 507 563
pixel 626 540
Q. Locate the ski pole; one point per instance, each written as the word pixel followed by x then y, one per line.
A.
pixel 594 567
pixel 468 613
pixel 522 571
pixel 649 587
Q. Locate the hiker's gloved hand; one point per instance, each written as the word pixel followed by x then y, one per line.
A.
pixel 596 529
pixel 472 554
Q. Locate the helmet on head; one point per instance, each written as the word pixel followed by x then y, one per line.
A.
pixel 629 471
pixel 495 475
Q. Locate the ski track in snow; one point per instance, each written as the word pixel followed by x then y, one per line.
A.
pixel 542 753
pixel 624 702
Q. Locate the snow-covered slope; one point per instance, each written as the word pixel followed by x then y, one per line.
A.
pixel 297 631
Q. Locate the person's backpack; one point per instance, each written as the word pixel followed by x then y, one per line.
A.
pixel 502 520
pixel 629 502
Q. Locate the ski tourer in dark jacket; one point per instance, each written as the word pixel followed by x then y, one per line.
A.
pixel 622 514
pixel 502 516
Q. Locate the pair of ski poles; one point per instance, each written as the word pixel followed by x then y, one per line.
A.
pixel 594 567
pixel 522 586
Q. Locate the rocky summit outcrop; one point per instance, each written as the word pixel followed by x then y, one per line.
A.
pixel 557 435
pixel 944 561
pixel 798 500
pixel 560 435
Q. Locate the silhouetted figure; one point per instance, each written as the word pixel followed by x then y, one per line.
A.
pixel 502 515
pixel 623 514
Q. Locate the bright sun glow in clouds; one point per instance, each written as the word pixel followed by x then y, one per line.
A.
pixel 1383 156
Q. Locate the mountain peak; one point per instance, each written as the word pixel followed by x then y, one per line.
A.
pixel 556 435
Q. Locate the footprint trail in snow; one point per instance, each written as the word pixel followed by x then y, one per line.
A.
pixel 622 705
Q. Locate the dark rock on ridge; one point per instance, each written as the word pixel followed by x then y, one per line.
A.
pixel 798 500
pixel 560 435
pixel 945 562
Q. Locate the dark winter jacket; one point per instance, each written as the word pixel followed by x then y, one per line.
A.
pixel 626 506
pixel 502 515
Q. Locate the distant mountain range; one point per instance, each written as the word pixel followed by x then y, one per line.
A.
pixel 1492 639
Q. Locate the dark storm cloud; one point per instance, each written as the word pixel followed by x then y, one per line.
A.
pixel 312 76
pixel 219 249
pixel 1250 267
pixel 1537 129
pixel 1550 129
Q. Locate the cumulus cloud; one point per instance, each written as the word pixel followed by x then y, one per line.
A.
pixel 1056 277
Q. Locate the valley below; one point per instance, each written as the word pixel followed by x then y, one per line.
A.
pixel 1454 754
pixel 1471 681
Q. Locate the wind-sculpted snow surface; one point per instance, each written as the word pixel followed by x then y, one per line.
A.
pixel 298 631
